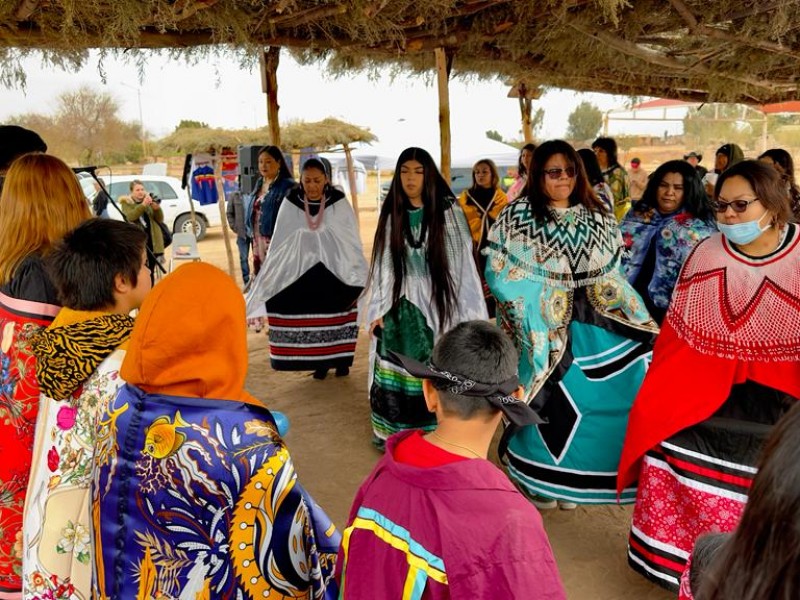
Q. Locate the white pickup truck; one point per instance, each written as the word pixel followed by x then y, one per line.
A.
pixel 174 202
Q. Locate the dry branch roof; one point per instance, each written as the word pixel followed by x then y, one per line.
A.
pixel 722 50
pixel 320 135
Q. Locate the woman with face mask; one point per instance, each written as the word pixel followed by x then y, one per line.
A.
pixel 726 366
pixel 312 278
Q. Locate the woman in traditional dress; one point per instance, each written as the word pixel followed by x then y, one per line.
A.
pixel 481 204
pixel 605 148
pixel 517 188
pixel 423 281
pixel 661 229
pixel 726 366
pixel 782 162
pixel 583 334
pixel 761 559
pixel 314 273
pixel 41 200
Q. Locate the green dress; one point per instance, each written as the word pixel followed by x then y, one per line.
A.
pixel 412 325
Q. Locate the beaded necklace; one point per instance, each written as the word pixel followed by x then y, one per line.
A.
pixel 313 224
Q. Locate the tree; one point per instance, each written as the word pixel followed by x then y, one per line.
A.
pixel 537 121
pixel 190 124
pixel 716 124
pixel 86 129
pixel 494 135
pixel 584 122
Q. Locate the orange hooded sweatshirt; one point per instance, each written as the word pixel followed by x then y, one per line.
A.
pixel 190 337
pixel 191 460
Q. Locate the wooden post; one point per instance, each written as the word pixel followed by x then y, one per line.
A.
pixel 226 235
pixel 526 110
pixel 444 64
pixel 269 85
pixel 351 179
pixel 189 193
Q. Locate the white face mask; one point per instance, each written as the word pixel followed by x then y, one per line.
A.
pixel 742 234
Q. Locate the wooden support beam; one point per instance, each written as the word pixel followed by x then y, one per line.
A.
pixel 444 64
pixel 269 85
pixel 226 234
pixel 351 179
pixel 526 111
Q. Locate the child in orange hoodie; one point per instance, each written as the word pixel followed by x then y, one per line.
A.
pixel 196 495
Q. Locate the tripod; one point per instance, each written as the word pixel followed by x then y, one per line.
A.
pixel 92 171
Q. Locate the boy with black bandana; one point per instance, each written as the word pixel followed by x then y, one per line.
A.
pixel 436 516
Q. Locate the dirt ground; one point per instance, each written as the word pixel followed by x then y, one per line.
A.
pixel 329 439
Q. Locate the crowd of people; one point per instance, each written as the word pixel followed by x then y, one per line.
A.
pixel 645 350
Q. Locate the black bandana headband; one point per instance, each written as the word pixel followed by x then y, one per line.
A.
pixel 499 395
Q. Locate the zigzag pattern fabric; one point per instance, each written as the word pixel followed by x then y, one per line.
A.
pixel 577 247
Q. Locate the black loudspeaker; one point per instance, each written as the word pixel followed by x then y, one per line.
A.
pixel 248 168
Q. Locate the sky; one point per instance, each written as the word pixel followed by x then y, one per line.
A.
pixel 222 94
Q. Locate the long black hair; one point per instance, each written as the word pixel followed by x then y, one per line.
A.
pixel 762 559
pixel 695 199
pixel 436 199
pixel 522 170
pixel 284 172
pixel 581 194
pixel 593 171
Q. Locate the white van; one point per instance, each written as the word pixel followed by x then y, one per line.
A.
pixel 174 202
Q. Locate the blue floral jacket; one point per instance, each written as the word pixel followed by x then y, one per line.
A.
pixel 674 236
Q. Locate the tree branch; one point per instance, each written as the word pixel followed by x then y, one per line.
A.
pixel 189 8
pixel 26 9
pixel 698 28
pixel 662 60
pixel 313 14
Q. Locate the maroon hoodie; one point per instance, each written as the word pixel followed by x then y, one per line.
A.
pixel 457 531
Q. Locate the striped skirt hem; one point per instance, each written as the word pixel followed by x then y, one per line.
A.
pixel 571 485
pixel 311 342
pixel 683 494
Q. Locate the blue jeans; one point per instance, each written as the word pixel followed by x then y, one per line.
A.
pixel 244 243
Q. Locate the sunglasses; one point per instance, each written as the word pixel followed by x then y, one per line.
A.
pixel 556 173
pixel 738 206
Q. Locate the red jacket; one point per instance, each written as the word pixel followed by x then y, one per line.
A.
pixel 457 531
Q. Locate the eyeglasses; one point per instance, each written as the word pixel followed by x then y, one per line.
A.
pixel 556 173
pixel 738 206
